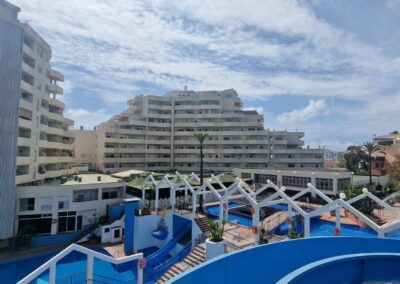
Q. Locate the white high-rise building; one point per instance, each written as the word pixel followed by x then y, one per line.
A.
pixel 45 148
pixel 155 133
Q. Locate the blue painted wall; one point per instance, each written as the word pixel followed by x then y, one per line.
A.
pixel 60 239
pixel 269 263
pixel 116 211
pixel 130 207
pixel 178 223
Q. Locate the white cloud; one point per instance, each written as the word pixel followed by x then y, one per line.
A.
pixel 331 145
pixel 86 118
pixel 313 109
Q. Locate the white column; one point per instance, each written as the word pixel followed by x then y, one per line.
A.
pixel 290 214
pixel 306 227
pixel 256 222
pixel 143 195
pixel 226 210
pixel 172 198
pixel 52 272
pixel 156 201
pixel 54 225
pixel 337 213
pixel 381 234
pixel 139 276
pixel 221 211
pixel 194 206
pixel 89 269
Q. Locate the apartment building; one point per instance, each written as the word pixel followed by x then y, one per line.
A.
pixel 10 81
pixel 155 133
pixel 45 148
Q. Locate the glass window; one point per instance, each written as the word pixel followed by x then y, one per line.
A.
pixel 295 181
pixel 26 204
pixel 263 178
pixel 63 202
pixel 46 203
pixel 86 195
pixel 111 193
pixel 324 183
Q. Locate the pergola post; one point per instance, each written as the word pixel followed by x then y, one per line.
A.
pixel 173 199
pixel 256 222
pixel 290 214
pixel 156 201
pixel 226 209
pixel 194 205
pixel 337 215
pixel 143 195
pixel 221 211
pixel 306 226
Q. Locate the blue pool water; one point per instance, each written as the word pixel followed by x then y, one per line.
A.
pixel 242 220
pixel 325 228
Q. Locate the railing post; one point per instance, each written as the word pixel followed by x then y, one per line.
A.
pixel 89 269
pixel 139 275
pixel 52 273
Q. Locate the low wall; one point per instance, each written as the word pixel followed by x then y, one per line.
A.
pixel 60 239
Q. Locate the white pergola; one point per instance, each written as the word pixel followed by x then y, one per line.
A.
pixel 242 190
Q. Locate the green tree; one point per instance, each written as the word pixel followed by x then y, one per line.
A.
pixel 201 137
pixel 356 159
pixel 366 205
pixel 370 148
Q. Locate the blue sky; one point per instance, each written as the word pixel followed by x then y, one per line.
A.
pixel 328 68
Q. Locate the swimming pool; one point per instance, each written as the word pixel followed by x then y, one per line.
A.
pixel 320 228
pixel 242 220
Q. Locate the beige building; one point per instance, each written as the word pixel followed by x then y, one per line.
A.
pixel 85 149
pixel 45 147
pixel 155 133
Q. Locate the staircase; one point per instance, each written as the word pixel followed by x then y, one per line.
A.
pixel 196 257
pixel 202 222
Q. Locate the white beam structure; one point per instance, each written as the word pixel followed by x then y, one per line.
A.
pixel 91 255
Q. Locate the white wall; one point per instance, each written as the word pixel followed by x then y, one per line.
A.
pixel 144 226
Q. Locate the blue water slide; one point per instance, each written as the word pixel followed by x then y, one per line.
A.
pixel 160 255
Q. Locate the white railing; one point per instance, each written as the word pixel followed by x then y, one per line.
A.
pixel 91 255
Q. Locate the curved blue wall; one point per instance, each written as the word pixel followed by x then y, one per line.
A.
pixel 269 263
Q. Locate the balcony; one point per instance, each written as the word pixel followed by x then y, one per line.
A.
pixel 56 75
pixel 55 89
pixel 28 69
pixel 27 87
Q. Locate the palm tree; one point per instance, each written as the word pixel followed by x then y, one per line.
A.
pixel 370 148
pixel 201 137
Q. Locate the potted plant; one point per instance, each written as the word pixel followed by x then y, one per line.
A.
pixel 263 236
pixel 215 242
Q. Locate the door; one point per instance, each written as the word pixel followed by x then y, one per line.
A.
pixel 116 235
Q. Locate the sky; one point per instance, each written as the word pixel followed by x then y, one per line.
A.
pixel 328 68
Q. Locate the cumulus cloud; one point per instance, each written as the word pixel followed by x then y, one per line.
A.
pixel 313 109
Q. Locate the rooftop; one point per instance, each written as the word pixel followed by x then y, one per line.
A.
pixel 127 174
pixel 92 179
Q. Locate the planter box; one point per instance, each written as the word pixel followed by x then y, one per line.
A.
pixel 214 249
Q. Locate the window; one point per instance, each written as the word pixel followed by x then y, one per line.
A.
pixel 324 183
pixel 342 183
pixel 63 202
pixel 246 175
pixel 26 204
pixel 46 203
pixel 39 223
pixel 69 222
pixel 294 181
pixel 86 195
pixel 110 193
pixel 261 178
